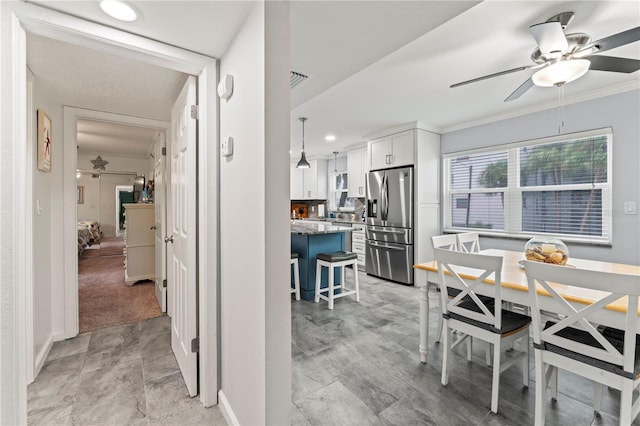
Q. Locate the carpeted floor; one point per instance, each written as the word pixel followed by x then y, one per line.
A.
pixel 104 298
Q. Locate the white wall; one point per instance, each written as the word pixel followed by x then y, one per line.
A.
pixel 620 112
pixel 43 226
pixel 255 242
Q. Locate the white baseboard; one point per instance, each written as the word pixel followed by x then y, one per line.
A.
pixel 228 413
pixel 41 356
pixel 60 336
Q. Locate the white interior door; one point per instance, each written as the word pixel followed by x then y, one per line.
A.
pixel 160 221
pixel 181 249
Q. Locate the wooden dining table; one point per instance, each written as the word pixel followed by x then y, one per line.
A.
pixel 515 289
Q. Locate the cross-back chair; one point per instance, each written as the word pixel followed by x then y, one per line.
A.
pixel 577 343
pixel 479 317
pixel 468 242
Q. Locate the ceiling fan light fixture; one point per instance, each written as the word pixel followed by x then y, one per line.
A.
pixel 118 10
pixel 561 72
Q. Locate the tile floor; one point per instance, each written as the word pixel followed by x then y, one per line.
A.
pixel 359 365
pixel 123 375
pixel 355 365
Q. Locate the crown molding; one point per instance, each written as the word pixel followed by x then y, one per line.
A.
pixel 592 94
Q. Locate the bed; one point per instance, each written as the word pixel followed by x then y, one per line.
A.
pixel 88 234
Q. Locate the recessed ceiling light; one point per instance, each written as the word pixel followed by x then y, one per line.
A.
pixel 330 138
pixel 118 10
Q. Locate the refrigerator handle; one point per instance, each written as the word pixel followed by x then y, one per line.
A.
pixel 383 198
pixel 386 198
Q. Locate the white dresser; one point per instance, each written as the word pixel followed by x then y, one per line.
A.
pixel 139 243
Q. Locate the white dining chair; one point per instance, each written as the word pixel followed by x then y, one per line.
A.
pixel 474 316
pixel 468 242
pixel 576 343
pixel 448 242
pixel 453 242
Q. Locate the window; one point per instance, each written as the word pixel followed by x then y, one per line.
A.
pixel 338 188
pixel 559 186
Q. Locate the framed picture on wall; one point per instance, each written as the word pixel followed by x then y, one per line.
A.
pixel 44 142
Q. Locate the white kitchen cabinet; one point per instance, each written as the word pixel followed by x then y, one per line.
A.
pixel 297 187
pixel 311 183
pixel 358 241
pixel 356 169
pixel 392 151
pixel 139 243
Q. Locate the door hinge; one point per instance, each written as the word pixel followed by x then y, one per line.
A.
pixel 164 283
pixel 195 113
pixel 164 150
pixel 195 345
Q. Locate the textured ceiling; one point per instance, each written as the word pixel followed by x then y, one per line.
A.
pixel 85 78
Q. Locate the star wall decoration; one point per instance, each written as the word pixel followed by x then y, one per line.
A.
pixel 99 163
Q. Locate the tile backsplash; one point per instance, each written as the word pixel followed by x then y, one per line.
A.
pixel 313 208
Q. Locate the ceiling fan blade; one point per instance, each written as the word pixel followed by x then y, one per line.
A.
pixel 497 74
pixel 614 64
pixel 611 42
pixel 550 38
pixel 520 90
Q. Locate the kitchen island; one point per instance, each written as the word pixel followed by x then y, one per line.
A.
pixel 309 239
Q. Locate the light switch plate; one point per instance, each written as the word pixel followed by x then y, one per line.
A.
pixel 630 207
pixel 226 148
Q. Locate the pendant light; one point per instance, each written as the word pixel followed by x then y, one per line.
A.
pixel 335 161
pixel 303 163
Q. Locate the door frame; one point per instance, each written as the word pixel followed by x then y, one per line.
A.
pixel 70 117
pixel 17 18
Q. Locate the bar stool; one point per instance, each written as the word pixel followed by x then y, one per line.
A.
pixel 296 275
pixel 339 259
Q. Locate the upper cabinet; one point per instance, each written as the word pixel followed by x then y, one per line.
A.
pixel 392 151
pixel 311 183
pixel 356 168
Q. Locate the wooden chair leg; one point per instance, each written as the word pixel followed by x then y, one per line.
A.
pixel 331 286
pixel 554 383
pixel 296 279
pixel 495 385
pixel 626 402
pixel 541 389
pixel 318 282
pixel 597 397
pixel 446 352
pixel 524 341
pixel 355 277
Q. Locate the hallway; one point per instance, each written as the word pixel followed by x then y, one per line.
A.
pixel 119 375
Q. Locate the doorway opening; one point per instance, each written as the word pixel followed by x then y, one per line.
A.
pixel 105 299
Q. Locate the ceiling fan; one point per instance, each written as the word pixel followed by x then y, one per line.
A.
pixel 561 58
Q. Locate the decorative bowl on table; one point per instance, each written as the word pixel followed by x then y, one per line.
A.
pixel 547 250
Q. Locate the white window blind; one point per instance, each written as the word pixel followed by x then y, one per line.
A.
pixel 559 186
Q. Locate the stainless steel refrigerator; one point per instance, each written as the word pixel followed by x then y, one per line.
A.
pixel 389 245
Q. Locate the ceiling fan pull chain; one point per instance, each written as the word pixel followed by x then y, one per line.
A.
pixel 560 108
